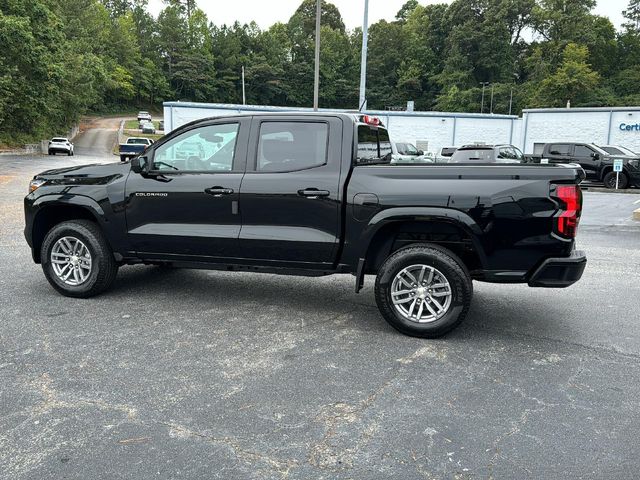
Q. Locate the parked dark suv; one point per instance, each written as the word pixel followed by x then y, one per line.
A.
pixel 487 154
pixel 596 162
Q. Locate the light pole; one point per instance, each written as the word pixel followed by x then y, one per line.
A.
pixel 491 108
pixel 316 83
pixel 244 92
pixel 484 84
pixel 362 104
pixel 515 78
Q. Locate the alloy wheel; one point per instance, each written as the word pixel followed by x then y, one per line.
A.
pixel 421 293
pixel 71 261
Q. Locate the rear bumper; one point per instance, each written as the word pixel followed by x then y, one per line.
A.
pixel 559 272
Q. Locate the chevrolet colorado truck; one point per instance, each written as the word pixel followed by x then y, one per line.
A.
pixel 596 162
pixel 311 194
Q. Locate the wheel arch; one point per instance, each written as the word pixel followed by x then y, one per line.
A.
pixel 394 229
pixel 53 212
pixel 605 170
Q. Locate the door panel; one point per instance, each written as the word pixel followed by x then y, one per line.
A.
pixel 187 207
pixel 290 198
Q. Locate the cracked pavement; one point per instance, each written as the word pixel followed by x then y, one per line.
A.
pixel 197 374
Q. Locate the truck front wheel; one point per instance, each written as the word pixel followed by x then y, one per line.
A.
pixel 77 260
pixel 423 291
pixel 609 180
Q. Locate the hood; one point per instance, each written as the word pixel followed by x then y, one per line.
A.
pixel 95 174
pixel 625 158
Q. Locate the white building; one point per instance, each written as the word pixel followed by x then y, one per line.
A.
pixel 433 130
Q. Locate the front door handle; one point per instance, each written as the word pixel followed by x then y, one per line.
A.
pixel 313 193
pixel 218 191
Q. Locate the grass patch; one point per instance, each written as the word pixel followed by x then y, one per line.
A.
pixel 138 133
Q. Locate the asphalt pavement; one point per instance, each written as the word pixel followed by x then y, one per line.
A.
pixel 198 374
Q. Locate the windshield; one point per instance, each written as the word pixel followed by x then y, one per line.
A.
pixel 59 140
pixel 619 151
pixel 473 155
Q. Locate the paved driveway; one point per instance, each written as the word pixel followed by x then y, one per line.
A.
pixel 196 374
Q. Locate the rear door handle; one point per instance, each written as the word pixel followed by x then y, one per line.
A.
pixel 313 193
pixel 218 191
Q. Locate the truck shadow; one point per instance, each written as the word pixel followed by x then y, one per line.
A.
pixel 516 310
pixel 310 300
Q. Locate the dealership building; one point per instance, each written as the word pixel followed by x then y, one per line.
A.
pixel 430 131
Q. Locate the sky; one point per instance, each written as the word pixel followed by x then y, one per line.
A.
pixel 267 12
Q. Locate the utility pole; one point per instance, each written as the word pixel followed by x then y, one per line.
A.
pixel 362 104
pixel 484 84
pixel 511 100
pixel 244 93
pixel 516 77
pixel 491 109
pixel 316 85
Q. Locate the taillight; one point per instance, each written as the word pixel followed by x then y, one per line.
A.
pixel 369 120
pixel 567 220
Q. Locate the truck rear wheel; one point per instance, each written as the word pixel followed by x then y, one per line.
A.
pixel 77 260
pixel 609 180
pixel 423 291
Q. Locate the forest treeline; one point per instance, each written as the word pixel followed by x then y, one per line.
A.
pixel 60 59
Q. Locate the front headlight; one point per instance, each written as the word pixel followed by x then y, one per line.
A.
pixel 36 184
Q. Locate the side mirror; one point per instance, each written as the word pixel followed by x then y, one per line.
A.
pixel 139 164
pixel 420 152
pixel 595 156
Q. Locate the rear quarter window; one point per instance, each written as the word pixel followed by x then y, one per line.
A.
pixel 374 145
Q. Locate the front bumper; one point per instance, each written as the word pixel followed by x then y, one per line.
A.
pixel 634 177
pixel 559 272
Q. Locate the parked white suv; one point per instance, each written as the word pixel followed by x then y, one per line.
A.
pixel 60 144
pixel 144 115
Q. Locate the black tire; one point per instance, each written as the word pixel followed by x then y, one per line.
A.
pixel 123 158
pixel 449 265
pixel 609 180
pixel 104 266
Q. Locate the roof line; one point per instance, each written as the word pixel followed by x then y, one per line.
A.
pixel 259 108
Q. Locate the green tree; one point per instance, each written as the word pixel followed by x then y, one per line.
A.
pixel 574 81
pixel 406 10
pixel 632 13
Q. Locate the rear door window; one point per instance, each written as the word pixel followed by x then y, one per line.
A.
pixel 292 146
pixel 560 149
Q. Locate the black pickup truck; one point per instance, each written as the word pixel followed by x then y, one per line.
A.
pixel 596 162
pixel 313 195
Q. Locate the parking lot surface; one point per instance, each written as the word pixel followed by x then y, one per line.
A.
pixel 197 374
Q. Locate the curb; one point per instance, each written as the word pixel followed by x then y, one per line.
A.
pixel 609 190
